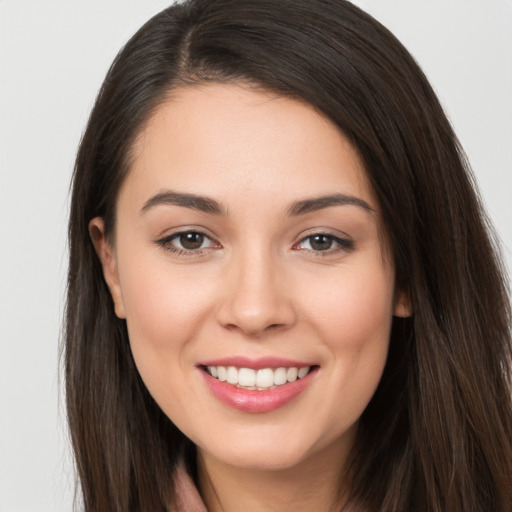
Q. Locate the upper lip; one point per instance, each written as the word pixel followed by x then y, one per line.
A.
pixel 256 364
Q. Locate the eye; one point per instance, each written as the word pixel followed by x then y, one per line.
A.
pixel 190 241
pixel 324 243
pixel 187 242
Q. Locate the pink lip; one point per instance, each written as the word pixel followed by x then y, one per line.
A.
pixel 255 401
pixel 255 364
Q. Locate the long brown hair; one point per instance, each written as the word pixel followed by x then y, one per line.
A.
pixel 437 435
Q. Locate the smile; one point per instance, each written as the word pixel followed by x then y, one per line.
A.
pixel 257 386
pixel 261 380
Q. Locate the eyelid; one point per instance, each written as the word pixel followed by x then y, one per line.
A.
pixel 165 241
pixel 344 242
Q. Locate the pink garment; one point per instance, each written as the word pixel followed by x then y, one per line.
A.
pixel 187 494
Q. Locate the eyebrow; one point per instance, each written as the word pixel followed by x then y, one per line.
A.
pixel 211 206
pixel 319 203
pixel 193 201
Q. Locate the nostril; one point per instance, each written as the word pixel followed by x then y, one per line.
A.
pixel 254 310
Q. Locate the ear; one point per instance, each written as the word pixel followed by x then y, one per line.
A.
pixel 403 308
pixel 107 257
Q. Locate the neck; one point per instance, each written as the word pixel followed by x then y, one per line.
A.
pixel 318 483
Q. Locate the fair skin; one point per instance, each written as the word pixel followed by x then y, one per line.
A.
pixel 256 268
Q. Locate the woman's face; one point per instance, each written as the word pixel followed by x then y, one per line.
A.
pixel 249 248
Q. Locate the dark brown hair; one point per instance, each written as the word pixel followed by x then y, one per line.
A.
pixel 437 435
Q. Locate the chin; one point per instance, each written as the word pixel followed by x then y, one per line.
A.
pixel 271 460
pixel 273 453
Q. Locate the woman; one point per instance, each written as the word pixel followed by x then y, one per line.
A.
pixel 282 290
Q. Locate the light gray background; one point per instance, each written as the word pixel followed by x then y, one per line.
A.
pixel 53 56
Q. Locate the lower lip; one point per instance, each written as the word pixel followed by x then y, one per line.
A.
pixel 250 400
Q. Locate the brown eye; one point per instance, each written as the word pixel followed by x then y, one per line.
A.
pixel 321 242
pixel 325 243
pixel 188 243
pixel 191 241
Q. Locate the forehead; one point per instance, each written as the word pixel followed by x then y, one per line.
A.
pixel 231 140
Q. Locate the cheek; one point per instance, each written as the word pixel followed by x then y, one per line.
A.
pixel 355 307
pixel 163 314
pixel 164 310
pixel 353 316
pixel 161 306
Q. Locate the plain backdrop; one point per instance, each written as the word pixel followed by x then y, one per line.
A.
pixel 53 57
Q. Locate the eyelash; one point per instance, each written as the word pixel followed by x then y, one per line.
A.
pixel 166 243
pixel 343 244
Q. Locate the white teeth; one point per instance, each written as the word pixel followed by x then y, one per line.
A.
pixel 247 377
pixel 291 374
pixel 280 376
pixel 222 373
pixel 303 372
pixel 265 378
pixel 232 375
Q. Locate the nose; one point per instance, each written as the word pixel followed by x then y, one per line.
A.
pixel 255 299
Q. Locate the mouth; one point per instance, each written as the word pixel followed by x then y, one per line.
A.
pixel 257 387
pixel 262 379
